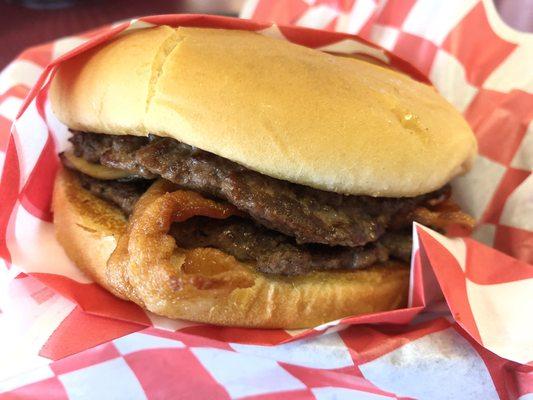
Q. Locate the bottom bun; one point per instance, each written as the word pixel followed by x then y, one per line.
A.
pixel 207 285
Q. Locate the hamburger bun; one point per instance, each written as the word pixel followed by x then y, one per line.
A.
pixel 293 113
pixel 89 229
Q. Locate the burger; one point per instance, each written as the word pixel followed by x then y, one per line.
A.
pixel 225 177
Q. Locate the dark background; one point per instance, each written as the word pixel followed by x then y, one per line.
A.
pixel 23 26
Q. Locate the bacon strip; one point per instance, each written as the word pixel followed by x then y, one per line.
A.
pixel 446 216
pixel 145 266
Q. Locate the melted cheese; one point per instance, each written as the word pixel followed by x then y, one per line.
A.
pixel 95 170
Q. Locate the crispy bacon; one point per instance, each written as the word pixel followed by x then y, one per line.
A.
pixel 147 266
pixel 446 216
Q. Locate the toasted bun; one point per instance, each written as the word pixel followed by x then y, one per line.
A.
pixel 284 110
pixel 89 230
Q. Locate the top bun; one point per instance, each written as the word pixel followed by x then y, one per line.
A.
pixel 284 110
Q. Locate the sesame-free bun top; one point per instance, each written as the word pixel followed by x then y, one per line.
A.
pixel 284 110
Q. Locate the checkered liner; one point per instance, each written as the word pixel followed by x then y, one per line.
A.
pixel 434 360
pixel 486 291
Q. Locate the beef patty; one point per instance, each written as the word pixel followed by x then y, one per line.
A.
pixel 123 194
pixel 275 253
pixel 291 229
pixel 309 215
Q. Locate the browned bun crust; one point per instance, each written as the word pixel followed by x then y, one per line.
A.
pixel 89 229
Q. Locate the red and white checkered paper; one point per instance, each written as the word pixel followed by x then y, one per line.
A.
pixel 467 332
